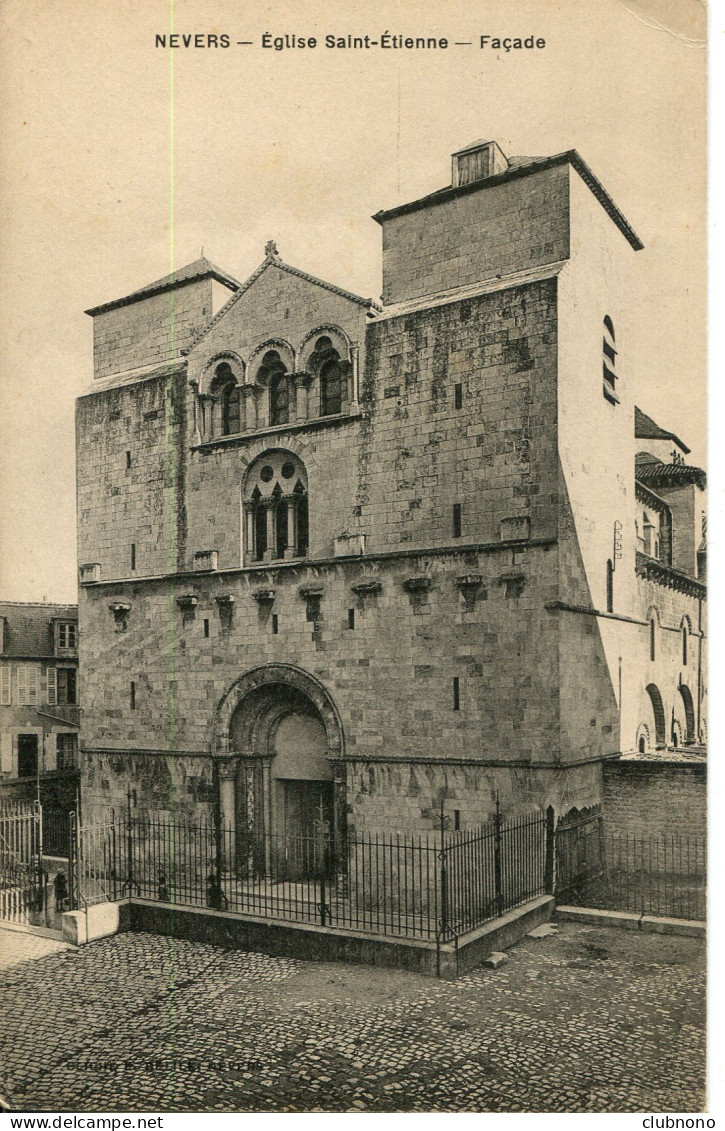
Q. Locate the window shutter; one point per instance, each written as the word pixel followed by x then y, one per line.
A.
pixel 52 687
pixel 6 692
pixel 32 685
pixel 6 752
pixel 22 685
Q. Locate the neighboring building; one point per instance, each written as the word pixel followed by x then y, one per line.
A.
pixel 344 562
pixel 39 711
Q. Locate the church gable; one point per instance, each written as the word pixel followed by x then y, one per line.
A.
pixel 282 307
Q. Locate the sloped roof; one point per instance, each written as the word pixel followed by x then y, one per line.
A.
pixel 29 627
pixel 645 428
pixel 272 259
pixel 200 269
pixel 656 475
pixel 523 167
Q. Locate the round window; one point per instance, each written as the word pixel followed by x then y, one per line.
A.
pixel 288 470
pixel 267 473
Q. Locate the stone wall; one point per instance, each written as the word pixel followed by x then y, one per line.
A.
pixel 477 235
pixel 655 798
pixel 127 500
pixel 495 455
pixel 151 330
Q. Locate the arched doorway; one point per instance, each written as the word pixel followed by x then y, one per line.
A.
pixel 276 735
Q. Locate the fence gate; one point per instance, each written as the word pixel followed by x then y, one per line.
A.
pixel 580 855
pixel 23 879
pixel 96 865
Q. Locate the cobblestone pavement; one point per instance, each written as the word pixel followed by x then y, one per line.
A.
pixel 588 1019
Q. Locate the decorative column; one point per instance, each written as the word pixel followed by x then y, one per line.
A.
pixel 249 539
pixel 205 416
pixel 302 385
pixel 291 548
pixel 270 505
pixel 196 430
pixel 228 809
pixel 249 400
pixel 355 358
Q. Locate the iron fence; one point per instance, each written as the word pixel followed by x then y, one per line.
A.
pixel 405 886
pixel 23 880
pixel 663 875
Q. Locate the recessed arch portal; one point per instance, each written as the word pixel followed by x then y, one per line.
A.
pixel 659 715
pixel 690 732
pixel 278 726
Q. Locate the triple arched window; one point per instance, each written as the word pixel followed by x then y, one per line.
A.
pixel 278 385
pixel 276 511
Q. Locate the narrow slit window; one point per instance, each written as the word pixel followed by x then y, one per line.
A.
pixel 128 460
pixel 206 627
pixel 132 696
pixel 456 693
pixel 458 396
pixel 456 820
pixel 133 555
pixel 652 639
pixel 275 624
pixel 350 618
pixel 457 523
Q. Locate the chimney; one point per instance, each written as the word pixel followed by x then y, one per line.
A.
pixel 476 162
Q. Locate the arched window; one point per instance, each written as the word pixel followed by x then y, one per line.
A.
pixel 610 587
pixel 330 388
pixel 273 373
pixel 325 362
pixel 652 638
pixel 225 401
pixel 685 635
pixel 276 510
pixel 609 362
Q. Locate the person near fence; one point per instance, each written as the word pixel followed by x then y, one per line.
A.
pixel 215 897
pixel 60 890
pixel 162 891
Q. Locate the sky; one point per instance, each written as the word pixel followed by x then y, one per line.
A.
pixel 120 160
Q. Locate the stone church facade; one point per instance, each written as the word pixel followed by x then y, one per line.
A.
pixel 348 562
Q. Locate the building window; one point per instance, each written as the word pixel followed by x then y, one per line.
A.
pixel 610 587
pixel 52 681
pixel 456 693
pixel 67 636
pixel 458 396
pixel 684 645
pixel 652 638
pixel 133 555
pixel 331 372
pixel 28 685
pixel 273 373
pixel 276 508
pixel 457 520
pixel 67 689
pixel 609 362
pixel 331 382
pixel 6 694
pixel 27 755
pixel 67 752
pixel 224 392
pixel 132 696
